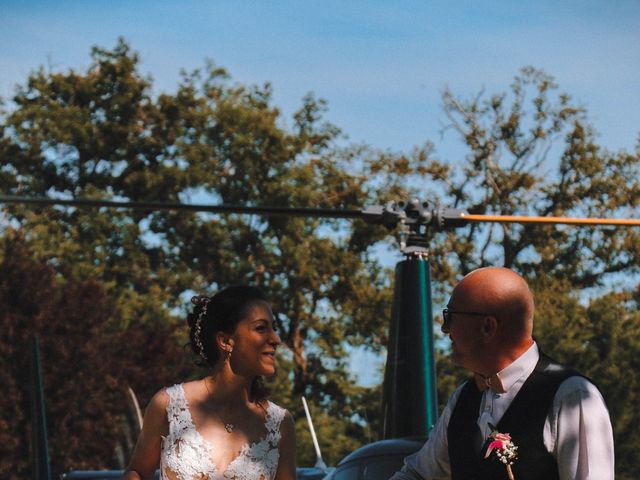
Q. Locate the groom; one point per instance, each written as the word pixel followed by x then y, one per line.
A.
pixel 556 418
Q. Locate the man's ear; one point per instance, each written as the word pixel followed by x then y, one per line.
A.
pixel 224 342
pixel 489 327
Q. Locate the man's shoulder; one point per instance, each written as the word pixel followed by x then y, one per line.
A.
pixel 571 380
pixel 558 372
pixel 575 384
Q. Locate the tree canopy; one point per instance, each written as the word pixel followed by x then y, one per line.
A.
pixel 106 290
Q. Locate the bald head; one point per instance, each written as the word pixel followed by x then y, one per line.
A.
pixel 502 293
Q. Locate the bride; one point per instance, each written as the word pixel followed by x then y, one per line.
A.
pixel 222 426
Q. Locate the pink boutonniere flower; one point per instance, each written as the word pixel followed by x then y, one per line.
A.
pixel 503 448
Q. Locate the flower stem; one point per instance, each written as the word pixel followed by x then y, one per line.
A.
pixel 510 472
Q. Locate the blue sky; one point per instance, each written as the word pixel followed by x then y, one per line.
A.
pixel 381 65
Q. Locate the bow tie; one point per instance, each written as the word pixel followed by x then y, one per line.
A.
pixel 493 382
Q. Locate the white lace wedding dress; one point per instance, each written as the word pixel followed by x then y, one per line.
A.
pixel 185 455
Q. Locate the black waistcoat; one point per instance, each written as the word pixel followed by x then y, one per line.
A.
pixel 523 420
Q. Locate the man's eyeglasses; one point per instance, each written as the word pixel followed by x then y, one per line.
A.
pixel 446 314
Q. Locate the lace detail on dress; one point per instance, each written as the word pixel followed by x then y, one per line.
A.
pixel 185 455
pixel 260 460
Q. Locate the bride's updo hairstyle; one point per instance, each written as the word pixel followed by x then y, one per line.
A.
pixel 221 313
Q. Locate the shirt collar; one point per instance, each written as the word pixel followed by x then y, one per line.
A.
pixel 520 367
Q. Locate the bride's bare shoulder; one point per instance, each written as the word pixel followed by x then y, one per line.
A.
pixel 159 400
pixel 194 390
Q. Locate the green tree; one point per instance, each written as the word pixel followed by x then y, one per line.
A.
pixel 87 364
pixel 601 339
pixel 508 171
pixel 101 134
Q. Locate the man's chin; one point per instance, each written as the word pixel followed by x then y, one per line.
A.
pixel 458 360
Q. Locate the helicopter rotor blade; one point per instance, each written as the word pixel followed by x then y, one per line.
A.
pixel 376 214
pixel 549 220
pixel 266 211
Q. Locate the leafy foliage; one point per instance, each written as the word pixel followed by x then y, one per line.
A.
pixel 87 364
pixel 507 171
pixel 100 134
pixel 106 290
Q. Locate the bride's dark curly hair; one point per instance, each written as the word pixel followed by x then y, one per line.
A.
pixel 222 313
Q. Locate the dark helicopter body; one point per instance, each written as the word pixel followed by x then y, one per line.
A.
pixel 375 461
pixel 409 406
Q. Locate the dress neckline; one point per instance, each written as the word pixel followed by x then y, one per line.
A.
pixel 209 446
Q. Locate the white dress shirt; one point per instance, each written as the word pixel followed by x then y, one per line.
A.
pixel 577 430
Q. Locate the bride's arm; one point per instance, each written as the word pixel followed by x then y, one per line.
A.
pixel 287 461
pixel 146 455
